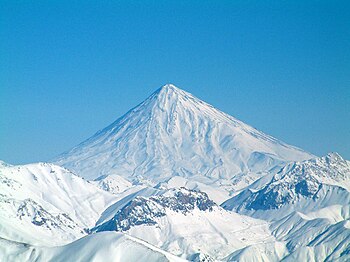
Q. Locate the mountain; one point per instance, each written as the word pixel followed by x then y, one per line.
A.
pixel 172 133
pixel 299 186
pixel 114 184
pixel 141 210
pixel 104 246
pixel 185 223
pixel 44 204
pixel 174 179
pixel 308 206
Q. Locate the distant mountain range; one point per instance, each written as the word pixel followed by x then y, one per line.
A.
pixel 176 179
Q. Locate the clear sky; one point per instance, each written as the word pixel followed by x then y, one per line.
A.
pixel 69 68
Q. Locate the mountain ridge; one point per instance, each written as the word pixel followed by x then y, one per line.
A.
pixel 178 179
pixel 174 133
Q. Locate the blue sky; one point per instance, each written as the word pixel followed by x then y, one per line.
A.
pixel 69 68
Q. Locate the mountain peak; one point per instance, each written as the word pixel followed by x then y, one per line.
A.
pixel 174 133
pixel 334 156
pixel 169 93
pixel 169 87
pixel 146 210
pixel 169 100
pixel 309 179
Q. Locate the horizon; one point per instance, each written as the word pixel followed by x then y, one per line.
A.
pixel 68 71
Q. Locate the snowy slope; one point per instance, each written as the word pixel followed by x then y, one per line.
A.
pixel 139 209
pixel 173 133
pixel 332 244
pixel 157 175
pixel 300 186
pixel 217 194
pixel 104 246
pixel 114 184
pixel 308 205
pixel 186 223
pixel 46 204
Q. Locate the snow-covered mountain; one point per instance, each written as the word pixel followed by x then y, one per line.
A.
pixel 104 246
pixel 114 184
pixel 172 133
pixel 299 186
pixel 308 206
pixel 185 223
pixel 41 202
pixel 174 179
pixel 142 210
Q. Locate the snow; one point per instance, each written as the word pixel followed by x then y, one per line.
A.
pixel 44 201
pixel 178 179
pixel 310 220
pixel 213 233
pixel 104 246
pixel 172 133
pixel 113 183
pixel 300 186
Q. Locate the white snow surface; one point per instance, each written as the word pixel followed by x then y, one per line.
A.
pixel 308 206
pixel 101 247
pixel 114 184
pixel 173 133
pixel 152 176
pixel 43 201
pixel 300 186
pixel 214 234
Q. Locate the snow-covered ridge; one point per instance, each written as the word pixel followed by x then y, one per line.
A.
pixel 331 169
pixel 113 184
pixel 43 201
pixel 310 179
pixel 185 223
pixel 307 204
pixel 104 246
pixel 158 174
pixel 143 210
pixel 174 133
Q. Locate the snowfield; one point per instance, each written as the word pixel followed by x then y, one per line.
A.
pixel 173 133
pixel 41 202
pixel 175 179
pixel 104 246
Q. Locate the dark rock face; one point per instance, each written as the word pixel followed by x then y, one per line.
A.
pixel 305 188
pixel 296 181
pixel 38 216
pixel 185 200
pixel 269 199
pixel 145 210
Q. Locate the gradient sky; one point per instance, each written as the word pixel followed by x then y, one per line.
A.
pixel 69 68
